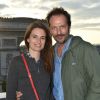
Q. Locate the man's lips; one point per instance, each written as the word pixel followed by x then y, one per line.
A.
pixel 60 36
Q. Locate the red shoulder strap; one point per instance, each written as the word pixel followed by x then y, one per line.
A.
pixel 30 77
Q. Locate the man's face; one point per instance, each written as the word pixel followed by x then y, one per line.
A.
pixel 59 28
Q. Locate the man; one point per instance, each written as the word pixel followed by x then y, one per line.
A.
pixel 77 63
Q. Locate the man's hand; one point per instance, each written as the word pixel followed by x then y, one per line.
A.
pixel 18 95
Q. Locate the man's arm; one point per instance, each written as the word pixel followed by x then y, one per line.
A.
pixel 18 95
pixel 92 62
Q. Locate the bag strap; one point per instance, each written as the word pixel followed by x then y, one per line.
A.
pixel 30 77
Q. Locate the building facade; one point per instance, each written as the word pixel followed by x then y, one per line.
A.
pixel 11 35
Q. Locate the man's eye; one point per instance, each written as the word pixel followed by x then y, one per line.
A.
pixel 63 26
pixel 43 38
pixel 53 28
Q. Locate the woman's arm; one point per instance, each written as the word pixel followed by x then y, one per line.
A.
pixel 12 80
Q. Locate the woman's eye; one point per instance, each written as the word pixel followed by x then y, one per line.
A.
pixel 34 36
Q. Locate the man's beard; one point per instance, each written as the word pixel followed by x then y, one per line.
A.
pixel 62 36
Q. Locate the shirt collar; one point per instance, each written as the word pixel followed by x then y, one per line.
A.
pixel 66 45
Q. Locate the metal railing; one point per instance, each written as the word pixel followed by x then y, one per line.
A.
pixel 3 96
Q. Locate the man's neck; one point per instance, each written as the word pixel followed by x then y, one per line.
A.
pixel 60 49
pixel 61 46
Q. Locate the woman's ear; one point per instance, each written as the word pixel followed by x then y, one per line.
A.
pixel 28 40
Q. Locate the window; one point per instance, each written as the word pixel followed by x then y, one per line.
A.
pixel 8 43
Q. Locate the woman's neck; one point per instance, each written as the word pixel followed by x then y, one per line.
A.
pixel 35 54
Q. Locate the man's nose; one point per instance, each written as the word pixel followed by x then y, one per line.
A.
pixel 58 30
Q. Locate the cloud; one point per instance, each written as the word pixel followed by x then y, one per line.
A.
pixel 70 4
pixel 88 26
pixel 88 12
pixel 2 6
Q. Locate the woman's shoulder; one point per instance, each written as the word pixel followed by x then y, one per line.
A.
pixel 16 58
pixel 15 62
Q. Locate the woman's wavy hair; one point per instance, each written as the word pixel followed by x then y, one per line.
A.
pixel 45 53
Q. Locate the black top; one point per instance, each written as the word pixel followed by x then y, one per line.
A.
pixel 18 79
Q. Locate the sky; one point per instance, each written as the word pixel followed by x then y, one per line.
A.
pixel 85 14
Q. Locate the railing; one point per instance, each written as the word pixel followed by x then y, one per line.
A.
pixel 3 96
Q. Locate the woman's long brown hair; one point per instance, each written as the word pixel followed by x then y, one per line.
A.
pixel 46 53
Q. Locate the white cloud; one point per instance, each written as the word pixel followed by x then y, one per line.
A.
pixel 3 1
pixel 91 5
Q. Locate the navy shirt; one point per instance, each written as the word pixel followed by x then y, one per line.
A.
pixel 18 79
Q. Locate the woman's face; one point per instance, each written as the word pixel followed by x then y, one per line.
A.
pixel 37 39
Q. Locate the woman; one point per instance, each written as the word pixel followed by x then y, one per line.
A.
pixel 38 42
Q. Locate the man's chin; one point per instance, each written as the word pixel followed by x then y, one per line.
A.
pixel 60 42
